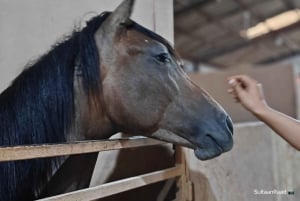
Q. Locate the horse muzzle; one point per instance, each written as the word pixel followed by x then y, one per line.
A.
pixel 215 143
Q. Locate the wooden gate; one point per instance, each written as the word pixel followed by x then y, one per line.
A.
pixel 42 151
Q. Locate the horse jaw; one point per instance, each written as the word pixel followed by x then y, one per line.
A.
pixel 202 153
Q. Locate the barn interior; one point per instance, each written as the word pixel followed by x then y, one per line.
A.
pixel 229 33
pixel 221 38
pixel 215 39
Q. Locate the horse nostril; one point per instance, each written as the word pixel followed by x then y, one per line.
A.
pixel 229 124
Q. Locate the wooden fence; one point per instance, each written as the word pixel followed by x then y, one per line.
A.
pixel 104 190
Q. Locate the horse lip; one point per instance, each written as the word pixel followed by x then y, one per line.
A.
pixel 196 145
pixel 200 146
pixel 206 152
pixel 216 143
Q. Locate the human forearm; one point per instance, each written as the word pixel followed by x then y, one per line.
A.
pixel 249 93
pixel 285 126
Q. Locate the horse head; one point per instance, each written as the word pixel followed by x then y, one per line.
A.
pixel 145 90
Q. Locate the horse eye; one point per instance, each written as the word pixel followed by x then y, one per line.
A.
pixel 163 58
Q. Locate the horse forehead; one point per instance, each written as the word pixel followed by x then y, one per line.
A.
pixel 135 38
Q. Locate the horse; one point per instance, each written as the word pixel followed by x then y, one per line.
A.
pixel 111 76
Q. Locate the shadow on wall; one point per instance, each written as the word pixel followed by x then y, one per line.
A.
pixel 201 187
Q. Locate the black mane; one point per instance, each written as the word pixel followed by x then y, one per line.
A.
pixel 38 107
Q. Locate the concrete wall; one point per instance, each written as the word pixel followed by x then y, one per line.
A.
pixel 259 160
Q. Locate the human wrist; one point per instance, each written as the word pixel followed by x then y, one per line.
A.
pixel 261 111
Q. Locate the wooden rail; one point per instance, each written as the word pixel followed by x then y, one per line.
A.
pixel 119 186
pixel 50 150
pixel 108 189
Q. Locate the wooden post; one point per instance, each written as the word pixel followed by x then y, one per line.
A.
pixel 185 192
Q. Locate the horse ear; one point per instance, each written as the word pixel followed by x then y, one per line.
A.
pixel 115 21
pixel 122 13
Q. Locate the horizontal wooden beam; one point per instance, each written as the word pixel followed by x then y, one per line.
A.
pixel 118 186
pixel 228 49
pixel 192 6
pixel 279 58
pixel 50 150
pixel 219 51
pixel 289 4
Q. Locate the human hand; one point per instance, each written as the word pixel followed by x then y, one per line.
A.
pixel 248 92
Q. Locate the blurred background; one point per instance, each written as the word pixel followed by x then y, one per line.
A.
pixel 222 34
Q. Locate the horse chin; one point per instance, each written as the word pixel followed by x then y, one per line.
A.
pixel 209 148
pixel 205 149
pixel 207 153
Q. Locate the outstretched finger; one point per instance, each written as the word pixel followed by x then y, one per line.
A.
pixel 243 79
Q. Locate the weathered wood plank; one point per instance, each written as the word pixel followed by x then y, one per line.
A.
pixel 118 186
pixel 50 150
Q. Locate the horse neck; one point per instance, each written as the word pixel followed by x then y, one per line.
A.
pixel 91 121
pixel 24 120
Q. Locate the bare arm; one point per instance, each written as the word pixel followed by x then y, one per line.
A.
pixel 250 94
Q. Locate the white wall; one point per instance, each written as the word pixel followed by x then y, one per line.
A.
pixel 29 28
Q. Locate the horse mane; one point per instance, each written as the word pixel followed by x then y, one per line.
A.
pixel 38 107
